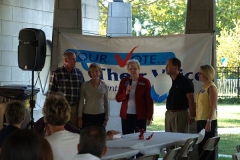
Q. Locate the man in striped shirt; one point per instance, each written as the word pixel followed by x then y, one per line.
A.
pixel 68 80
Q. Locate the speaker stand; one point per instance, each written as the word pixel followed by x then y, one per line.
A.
pixel 32 104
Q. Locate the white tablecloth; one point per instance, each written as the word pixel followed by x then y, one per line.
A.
pixel 118 153
pixel 152 146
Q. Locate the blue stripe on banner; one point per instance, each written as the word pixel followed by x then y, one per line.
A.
pixel 145 59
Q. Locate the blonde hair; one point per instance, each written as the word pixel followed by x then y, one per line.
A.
pixel 133 62
pixel 56 110
pixel 208 71
pixel 94 66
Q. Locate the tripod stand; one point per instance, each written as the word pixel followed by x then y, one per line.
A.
pixel 32 104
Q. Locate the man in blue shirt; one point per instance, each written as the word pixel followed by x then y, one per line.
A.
pixel 180 101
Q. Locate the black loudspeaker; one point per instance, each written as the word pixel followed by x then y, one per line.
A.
pixel 31 49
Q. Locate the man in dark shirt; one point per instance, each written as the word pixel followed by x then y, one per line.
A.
pixel 68 80
pixel 180 102
pixel 15 114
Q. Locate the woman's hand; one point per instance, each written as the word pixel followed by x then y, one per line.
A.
pixel 208 126
pixel 128 89
pixel 80 122
pixel 148 122
pixel 105 123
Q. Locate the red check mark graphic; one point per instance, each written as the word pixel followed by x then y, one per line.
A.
pixel 121 62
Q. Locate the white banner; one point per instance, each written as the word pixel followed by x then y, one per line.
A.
pixel 152 52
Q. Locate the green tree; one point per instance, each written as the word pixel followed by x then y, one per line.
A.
pixel 165 17
pixel 158 17
pixel 226 12
pixel 229 45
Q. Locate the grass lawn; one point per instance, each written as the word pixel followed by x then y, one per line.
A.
pixel 227 144
pixel 228 117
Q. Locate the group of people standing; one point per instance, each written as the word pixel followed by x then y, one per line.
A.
pixel 89 100
pixel 86 102
pixel 180 102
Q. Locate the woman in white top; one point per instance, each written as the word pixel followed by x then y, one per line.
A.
pixel 93 104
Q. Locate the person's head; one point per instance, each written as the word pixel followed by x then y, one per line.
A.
pixel 69 60
pixel 206 73
pixel 56 110
pixel 93 140
pixel 173 66
pixel 15 112
pixel 27 145
pixel 133 67
pixel 94 71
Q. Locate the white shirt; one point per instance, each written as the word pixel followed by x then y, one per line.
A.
pixel 131 102
pixel 85 157
pixel 64 144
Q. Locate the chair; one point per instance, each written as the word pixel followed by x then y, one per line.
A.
pixel 238 148
pixel 210 146
pixel 236 156
pixel 185 149
pixel 171 154
pixel 149 157
pixel 191 147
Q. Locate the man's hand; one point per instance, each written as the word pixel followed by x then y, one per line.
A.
pixel 190 120
pixel 111 133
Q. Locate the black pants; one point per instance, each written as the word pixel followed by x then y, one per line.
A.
pixel 200 125
pixel 93 119
pixel 132 125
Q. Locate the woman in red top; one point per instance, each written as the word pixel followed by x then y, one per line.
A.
pixel 137 104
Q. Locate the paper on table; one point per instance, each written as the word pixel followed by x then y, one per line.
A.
pixel 117 136
pixel 138 146
pixel 201 136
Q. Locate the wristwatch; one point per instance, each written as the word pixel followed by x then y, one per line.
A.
pixel 208 120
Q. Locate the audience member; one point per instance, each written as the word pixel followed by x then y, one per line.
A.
pixel 15 113
pixel 26 145
pixel 137 105
pixel 93 106
pixel 92 145
pixel 56 113
pixel 68 80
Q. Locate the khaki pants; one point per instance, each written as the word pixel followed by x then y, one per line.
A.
pixel 176 121
pixel 74 116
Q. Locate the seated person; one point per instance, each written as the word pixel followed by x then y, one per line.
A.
pixel 56 113
pixel 24 144
pixel 15 113
pixel 92 145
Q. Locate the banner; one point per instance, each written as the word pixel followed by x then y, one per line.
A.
pixel 112 53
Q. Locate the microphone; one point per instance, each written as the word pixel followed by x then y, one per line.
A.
pixel 130 83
